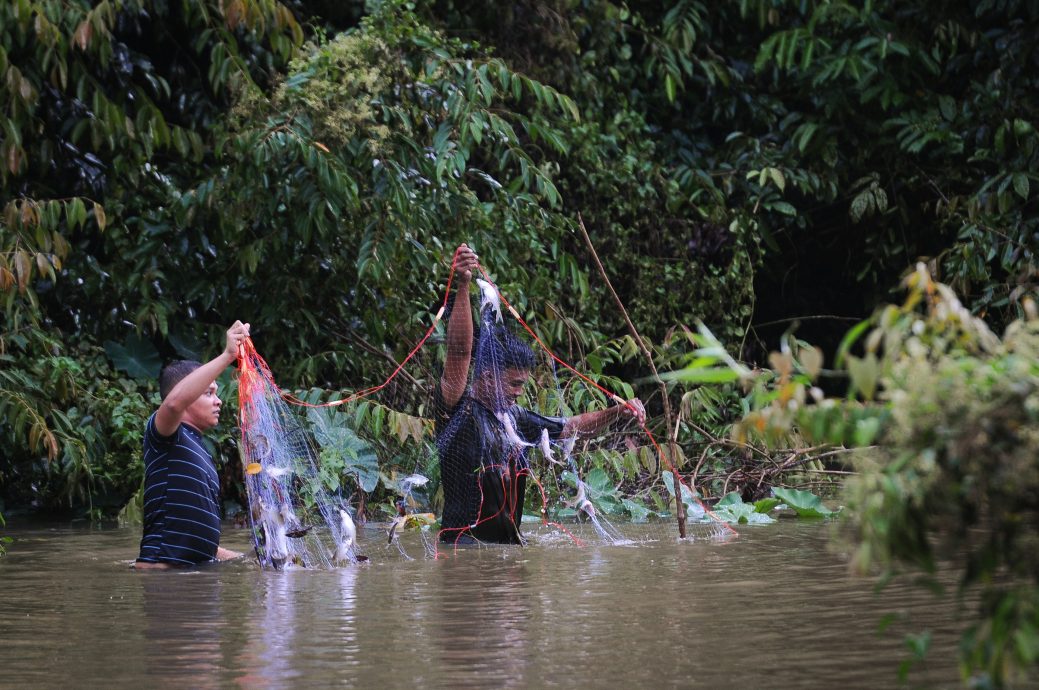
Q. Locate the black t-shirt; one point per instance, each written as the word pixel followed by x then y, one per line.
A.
pixel 483 472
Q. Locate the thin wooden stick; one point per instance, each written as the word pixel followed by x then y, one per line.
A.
pixel 672 446
pixel 368 347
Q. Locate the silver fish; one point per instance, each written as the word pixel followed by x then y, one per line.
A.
pixel 567 444
pixel 398 524
pixel 345 548
pixel 412 481
pixel 510 430
pixel 274 529
pixel 398 520
pixel 546 448
pixel 294 529
pixel 277 472
pixel 581 502
pixel 287 515
pixel 489 298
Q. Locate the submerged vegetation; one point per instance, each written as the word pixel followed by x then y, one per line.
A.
pixel 767 169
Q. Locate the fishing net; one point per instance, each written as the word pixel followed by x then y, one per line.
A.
pixel 296 512
pixel 530 454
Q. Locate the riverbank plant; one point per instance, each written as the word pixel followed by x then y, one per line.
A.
pixel 943 415
pixel 4 540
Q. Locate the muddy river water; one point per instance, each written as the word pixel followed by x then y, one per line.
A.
pixel 774 607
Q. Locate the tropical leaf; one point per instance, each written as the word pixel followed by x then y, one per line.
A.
pixel 136 356
pixel 804 503
pixel 342 450
pixel 765 505
pixel 731 508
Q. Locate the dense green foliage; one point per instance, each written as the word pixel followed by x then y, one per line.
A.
pixel 108 108
pixel 944 414
pixel 167 167
pixel 955 474
pixel 854 137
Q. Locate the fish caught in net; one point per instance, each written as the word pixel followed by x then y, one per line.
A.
pixel 532 451
pixel 296 518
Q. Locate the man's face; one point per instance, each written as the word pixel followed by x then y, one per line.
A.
pixel 204 413
pixel 510 387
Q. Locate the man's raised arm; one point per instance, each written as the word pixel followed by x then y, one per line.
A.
pixel 459 329
pixel 188 390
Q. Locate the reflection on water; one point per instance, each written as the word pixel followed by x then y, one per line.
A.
pixel 483 620
pixel 774 608
pixel 184 622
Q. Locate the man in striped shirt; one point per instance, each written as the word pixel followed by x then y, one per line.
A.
pixel 181 487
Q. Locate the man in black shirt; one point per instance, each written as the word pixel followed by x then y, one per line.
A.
pixel 482 434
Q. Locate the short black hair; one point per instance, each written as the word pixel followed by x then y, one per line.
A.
pixel 498 349
pixel 172 374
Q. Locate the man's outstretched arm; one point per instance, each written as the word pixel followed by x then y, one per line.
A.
pixel 590 423
pixel 459 329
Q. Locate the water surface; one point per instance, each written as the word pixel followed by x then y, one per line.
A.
pixel 773 608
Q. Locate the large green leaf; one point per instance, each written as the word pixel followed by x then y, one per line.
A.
pixel 701 375
pixel 341 446
pixel 766 504
pixel 638 512
pixel 136 357
pixel 367 472
pixel 598 482
pixel 669 481
pixel 731 508
pixel 185 345
pixel 694 509
pixel 805 503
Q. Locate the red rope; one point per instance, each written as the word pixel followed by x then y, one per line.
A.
pixel 250 351
pixel 258 367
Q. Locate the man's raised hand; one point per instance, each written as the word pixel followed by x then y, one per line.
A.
pixel 466 262
pixel 636 409
pixel 236 335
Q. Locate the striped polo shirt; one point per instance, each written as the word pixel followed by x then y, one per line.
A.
pixel 181 493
